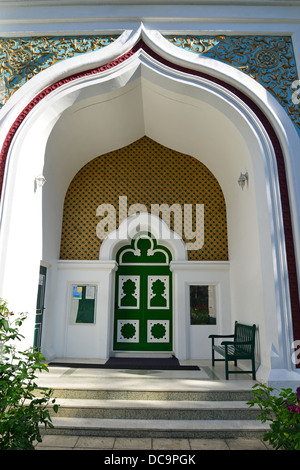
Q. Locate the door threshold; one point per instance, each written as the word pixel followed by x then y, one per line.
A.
pixel 153 354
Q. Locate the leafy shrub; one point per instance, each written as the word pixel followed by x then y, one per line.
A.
pixel 22 409
pixel 282 412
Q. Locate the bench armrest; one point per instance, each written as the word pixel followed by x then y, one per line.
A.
pixel 221 336
pixel 235 343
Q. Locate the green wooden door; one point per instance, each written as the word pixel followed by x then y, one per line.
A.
pixel 40 309
pixel 143 297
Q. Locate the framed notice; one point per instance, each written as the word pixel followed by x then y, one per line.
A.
pixel 83 304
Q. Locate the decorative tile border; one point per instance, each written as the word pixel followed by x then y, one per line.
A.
pixel 158 331
pixel 269 60
pixel 128 331
pixel 158 292
pixel 129 297
pixel 23 58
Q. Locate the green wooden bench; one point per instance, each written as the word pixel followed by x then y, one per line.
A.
pixel 241 347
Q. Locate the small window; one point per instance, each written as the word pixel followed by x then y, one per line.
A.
pixel 83 303
pixel 202 305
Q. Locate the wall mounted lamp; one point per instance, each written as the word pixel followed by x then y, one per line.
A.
pixel 244 177
pixel 39 182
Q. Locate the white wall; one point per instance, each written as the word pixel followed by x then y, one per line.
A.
pixel 83 340
pixel 195 344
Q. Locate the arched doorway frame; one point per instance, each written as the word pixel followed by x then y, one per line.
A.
pixel 145 222
pixel 13 130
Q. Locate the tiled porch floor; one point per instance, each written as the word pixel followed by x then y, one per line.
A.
pixel 63 442
pixel 206 378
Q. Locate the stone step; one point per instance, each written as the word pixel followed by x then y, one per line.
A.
pixel 97 402
pixel 154 409
pixel 158 428
pixel 147 394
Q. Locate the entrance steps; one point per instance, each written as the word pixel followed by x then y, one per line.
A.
pixel 157 418
pixel 152 404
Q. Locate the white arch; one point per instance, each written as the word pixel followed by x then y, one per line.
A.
pixel 73 96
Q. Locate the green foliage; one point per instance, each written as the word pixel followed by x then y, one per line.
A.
pixel 201 316
pixel 23 405
pixel 282 412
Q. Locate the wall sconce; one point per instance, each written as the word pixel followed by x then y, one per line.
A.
pixel 243 179
pixel 39 182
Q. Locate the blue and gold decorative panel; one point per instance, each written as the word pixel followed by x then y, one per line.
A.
pixel 269 60
pixel 22 58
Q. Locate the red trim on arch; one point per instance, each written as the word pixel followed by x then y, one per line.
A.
pixel 285 203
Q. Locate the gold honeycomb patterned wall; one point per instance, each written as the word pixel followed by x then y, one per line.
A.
pixel 147 173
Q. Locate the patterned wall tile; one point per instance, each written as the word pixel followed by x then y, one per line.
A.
pixel 147 173
pixel 23 58
pixel 270 60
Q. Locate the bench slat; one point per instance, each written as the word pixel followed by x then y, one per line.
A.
pixel 233 352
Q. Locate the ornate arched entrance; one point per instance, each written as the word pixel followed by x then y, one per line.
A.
pixel 185 109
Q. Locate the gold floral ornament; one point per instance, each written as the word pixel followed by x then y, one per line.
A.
pixel 23 58
pixel 269 60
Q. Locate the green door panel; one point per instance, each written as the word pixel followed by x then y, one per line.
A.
pixel 40 309
pixel 143 297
